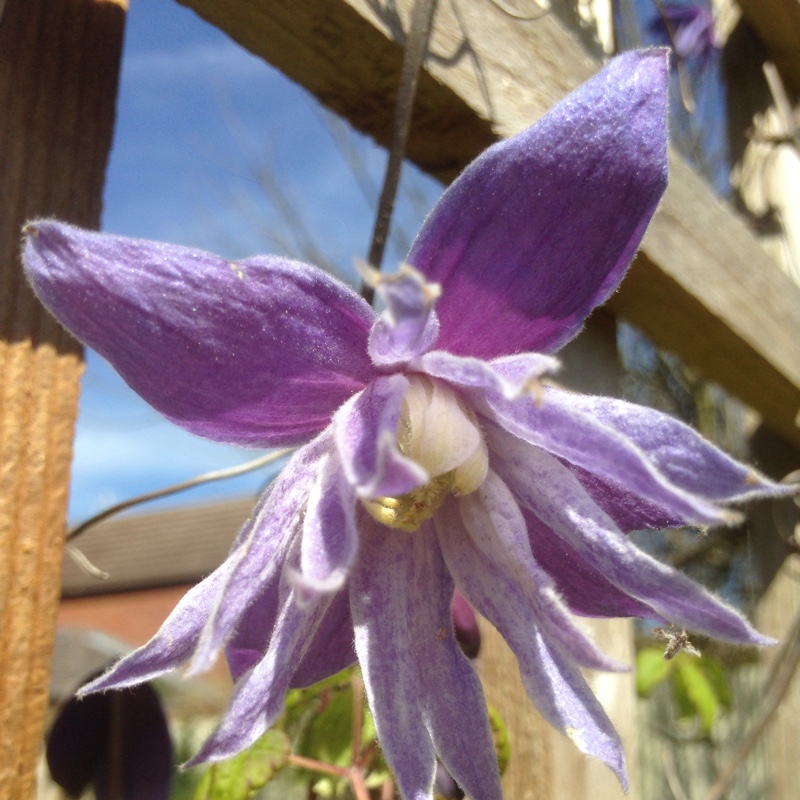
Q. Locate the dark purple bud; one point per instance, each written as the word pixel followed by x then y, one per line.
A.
pixel 468 634
pixel 118 742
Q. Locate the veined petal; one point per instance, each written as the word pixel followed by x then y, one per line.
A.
pixel 490 556
pixel 330 650
pixel 554 495
pixel 583 587
pixel 555 686
pixel 256 352
pixel 330 536
pixel 275 523
pixel 409 326
pixel 540 228
pixel 366 437
pixel 553 424
pixel 678 452
pixel 510 376
pixel 422 690
pixel 260 694
pixel 174 642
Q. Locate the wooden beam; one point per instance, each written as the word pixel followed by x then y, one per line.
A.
pixel 777 23
pixel 702 287
pixel 59 62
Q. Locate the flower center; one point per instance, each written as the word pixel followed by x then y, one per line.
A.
pixel 442 435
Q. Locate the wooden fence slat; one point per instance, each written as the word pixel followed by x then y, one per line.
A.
pixel 59 63
pixel 704 286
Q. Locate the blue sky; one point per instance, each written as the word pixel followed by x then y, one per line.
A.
pixel 197 117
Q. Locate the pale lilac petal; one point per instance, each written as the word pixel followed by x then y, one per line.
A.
pixel 555 686
pixel 330 536
pixel 422 690
pixel 409 326
pixel 509 376
pixel 174 642
pixel 553 424
pixel 259 695
pixel 465 625
pixel 276 521
pixel 254 352
pixel 330 650
pixel 366 438
pixel 541 228
pixel 583 587
pixel 489 554
pixel 678 452
pixel 554 495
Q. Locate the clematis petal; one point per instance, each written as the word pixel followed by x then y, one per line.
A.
pixel 540 228
pixel 678 452
pixel 409 326
pixel 510 376
pixel 366 437
pixel 554 425
pixel 554 495
pixel 330 537
pixel 422 690
pixel 174 642
pixel 257 352
pixel 274 525
pixel 556 687
pixel 330 650
pixel 493 558
pixel 583 587
pixel 259 695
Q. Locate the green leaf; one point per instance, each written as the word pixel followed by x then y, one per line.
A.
pixel 502 744
pixel 694 691
pixel 715 672
pixel 240 777
pixel 651 670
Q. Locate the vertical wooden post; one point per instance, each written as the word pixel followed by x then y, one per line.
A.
pixel 59 66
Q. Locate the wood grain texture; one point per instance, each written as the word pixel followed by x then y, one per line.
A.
pixel 703 286
pixel 777 23
pixel 58 75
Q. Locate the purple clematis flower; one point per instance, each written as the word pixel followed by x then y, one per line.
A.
pixel 431 455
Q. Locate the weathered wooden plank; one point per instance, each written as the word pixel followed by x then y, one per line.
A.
pixel 703 286
pixel 58 75
pixel 777 22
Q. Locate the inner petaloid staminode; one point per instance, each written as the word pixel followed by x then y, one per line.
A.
pixel 438 432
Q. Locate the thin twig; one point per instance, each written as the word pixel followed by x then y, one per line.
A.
pixel 777 684
pixel 387 790
pixel 416 47
pixel 199 480
pixel 359 786
pixel 318 766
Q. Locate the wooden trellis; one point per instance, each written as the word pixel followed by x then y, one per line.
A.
pixel 702 285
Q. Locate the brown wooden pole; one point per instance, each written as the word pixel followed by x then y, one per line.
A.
pixel 59 67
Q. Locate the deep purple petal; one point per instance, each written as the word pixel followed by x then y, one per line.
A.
pixel 274 525
pixel 422 690
pixel 259 695
pixel 489 554
pixel 255 352
pixel 366 437
pixel 330 536
pixel 465 625
pixel 678 452
pixel 409 326
pixel 555 686
pixel 554 495
pixel 540 229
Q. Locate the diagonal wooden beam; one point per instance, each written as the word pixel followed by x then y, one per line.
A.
pixel 59 61
pixel 702 285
